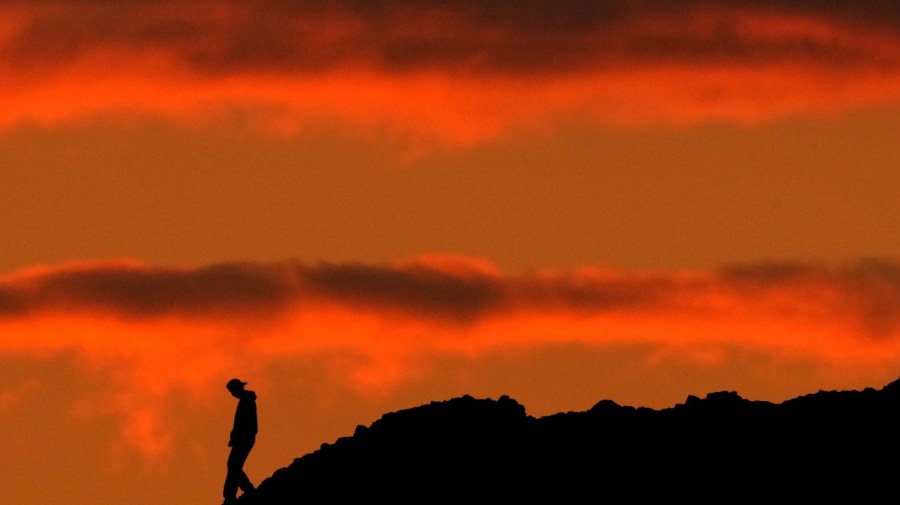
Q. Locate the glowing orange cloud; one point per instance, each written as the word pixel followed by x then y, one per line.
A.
pixel 458 72
pixel 163 330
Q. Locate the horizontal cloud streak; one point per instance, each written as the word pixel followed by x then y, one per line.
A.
pixel 480 36
pixel 461 71
pixel 447 290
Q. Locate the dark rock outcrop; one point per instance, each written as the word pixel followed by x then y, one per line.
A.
pixel 831 445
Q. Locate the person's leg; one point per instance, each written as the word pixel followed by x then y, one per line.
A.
pixel 230 490
pixel 244 481
pixel 236 477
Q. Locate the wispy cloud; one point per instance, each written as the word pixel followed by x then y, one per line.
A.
pixel 418 65
pixel 166 329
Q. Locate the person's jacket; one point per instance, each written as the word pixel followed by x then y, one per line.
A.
pixel 245 427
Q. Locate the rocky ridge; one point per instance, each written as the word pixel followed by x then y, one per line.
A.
pixel 721 448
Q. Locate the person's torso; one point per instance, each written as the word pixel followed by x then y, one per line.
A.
pixel 245 423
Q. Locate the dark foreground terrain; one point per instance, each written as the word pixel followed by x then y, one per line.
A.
pixel 831 446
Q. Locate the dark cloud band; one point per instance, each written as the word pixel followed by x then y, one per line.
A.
pixel 868 290
pixel 467 36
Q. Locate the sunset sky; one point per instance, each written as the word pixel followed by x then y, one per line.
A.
pixel 359 206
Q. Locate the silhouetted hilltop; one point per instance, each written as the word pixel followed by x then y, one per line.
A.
pixel 723 448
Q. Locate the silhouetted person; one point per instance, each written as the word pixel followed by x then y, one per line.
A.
pixel 243 436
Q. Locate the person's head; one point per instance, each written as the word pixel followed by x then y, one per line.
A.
pixel 235 387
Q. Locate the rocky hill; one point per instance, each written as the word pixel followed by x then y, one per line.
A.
pixel 830 445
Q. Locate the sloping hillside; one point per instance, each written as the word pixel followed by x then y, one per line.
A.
pixel 721 448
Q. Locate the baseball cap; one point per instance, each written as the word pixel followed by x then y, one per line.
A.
pixel 235 384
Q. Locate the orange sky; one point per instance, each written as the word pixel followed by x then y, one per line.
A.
pixel 365 206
